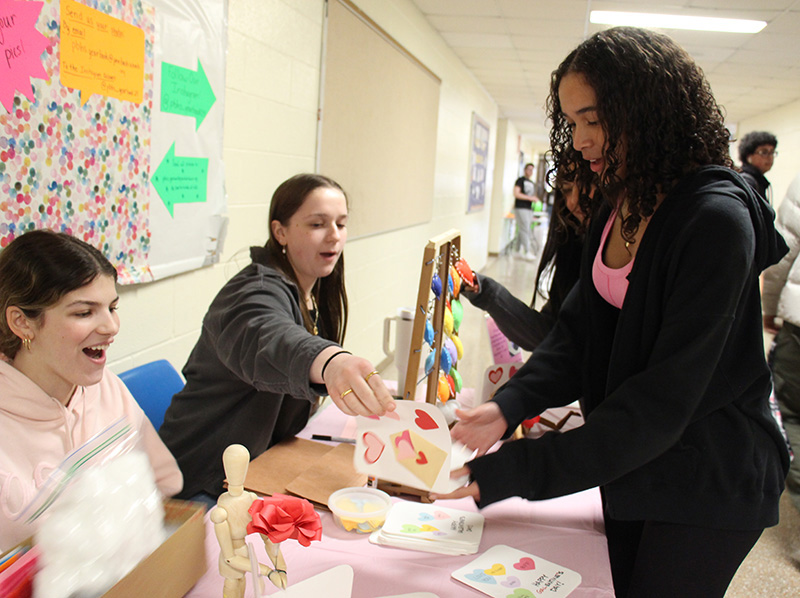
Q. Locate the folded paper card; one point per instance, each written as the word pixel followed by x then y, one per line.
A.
pixel 503 571
pixel 410 445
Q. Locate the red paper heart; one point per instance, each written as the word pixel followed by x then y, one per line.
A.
pixel 511 371
pixel 425 421
pixel 495 375
pixel 525 564
pixel 422 459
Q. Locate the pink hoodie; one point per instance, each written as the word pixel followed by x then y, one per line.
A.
pixel 37 432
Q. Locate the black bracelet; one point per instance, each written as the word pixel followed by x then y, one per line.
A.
pixel 322 375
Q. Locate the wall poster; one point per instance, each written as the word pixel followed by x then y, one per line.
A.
pixel 111 128
pixel 479 157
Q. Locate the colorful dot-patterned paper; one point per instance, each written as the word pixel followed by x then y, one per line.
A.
pixel 81 169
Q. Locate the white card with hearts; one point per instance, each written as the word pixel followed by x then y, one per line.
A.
pixel 410 446
pixel 495 376
pixel 505 572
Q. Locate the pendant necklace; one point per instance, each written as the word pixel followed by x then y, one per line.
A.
pixel 316 314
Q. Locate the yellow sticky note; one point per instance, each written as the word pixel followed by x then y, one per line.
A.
pixel 100 54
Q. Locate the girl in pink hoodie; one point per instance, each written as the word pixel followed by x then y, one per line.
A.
pixel 59 317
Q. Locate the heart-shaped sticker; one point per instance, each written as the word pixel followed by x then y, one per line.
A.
pixel 525 564
pixel 441 515
pixel 511 582
pixel 422 459
pixel 521 593
pixel 410 528
pixel 496 569
pixel 480 577
pixel 374 447
pixel 425 516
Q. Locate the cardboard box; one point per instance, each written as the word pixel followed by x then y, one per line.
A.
pixel 173 568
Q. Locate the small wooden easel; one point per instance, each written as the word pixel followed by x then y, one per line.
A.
pixel 438 252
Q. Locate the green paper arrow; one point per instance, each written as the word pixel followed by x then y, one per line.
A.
pixel 186 92
pixel 181 180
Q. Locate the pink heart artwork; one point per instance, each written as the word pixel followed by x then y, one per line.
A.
pixel 425 421
pixel 405 448
pixel 525 564
pixel 422 459
pixel 440 515
pixel 495 375
pixel 374 447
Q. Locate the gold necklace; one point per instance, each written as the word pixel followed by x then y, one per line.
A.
pixel 316 314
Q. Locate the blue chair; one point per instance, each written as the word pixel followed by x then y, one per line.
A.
pixel 152 385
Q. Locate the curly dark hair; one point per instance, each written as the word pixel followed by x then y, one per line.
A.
pixel 658 114
pixel 754 139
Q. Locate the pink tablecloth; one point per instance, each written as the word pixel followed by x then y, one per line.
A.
pixel 567 531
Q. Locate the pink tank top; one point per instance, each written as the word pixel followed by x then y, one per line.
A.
pixel 611 283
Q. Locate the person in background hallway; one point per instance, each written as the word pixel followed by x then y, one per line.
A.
pixel 757 153
pixel 524 196
pixel 660 339
pixel 559 264
pixel 59 317
pixel 781 300
pixel 270 344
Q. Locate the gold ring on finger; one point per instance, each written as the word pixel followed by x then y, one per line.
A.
pixel 370 375
pixel 345 393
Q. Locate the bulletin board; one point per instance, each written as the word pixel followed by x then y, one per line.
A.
pixel 111 128
pixel 378 127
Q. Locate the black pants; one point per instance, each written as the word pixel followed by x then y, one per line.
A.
pixel 654 560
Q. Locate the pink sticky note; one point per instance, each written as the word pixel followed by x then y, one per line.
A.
pixel 21 47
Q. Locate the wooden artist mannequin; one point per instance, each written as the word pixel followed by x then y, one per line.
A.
pixel 230 518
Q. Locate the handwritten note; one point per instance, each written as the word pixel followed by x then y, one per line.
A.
pixel 21 47
pixel 100 54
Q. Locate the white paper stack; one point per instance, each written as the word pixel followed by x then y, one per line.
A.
pixel 430 528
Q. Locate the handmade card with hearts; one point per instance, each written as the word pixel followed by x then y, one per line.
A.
pixel 430 528
pixel 410 446
pixel 505 572
pixel 495 376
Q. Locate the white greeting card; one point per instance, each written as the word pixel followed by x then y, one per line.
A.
pixel 495 376
pixel 410 446
pixel 503 571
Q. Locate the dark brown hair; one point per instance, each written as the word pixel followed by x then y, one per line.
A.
pixel 329 292
pixel 654 104
pixel 37 269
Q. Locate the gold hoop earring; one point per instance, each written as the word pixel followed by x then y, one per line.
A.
pixel 26 342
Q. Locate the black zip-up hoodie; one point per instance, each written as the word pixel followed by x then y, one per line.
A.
pixel 674 385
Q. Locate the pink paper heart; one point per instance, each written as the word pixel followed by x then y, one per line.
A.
pixel 440 515
pixel 374 447
pixel 525 564
pixel 405 448
pixel 425 421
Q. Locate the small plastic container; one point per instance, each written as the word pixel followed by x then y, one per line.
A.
pixel 361 510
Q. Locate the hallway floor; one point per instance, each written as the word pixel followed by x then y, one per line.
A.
pixel 768 572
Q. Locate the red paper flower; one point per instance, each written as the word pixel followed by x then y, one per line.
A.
pixel 280 517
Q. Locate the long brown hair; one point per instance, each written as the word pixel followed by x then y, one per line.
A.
pixel 329 292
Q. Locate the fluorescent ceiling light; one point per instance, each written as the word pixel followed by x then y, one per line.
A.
pixel 639 19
